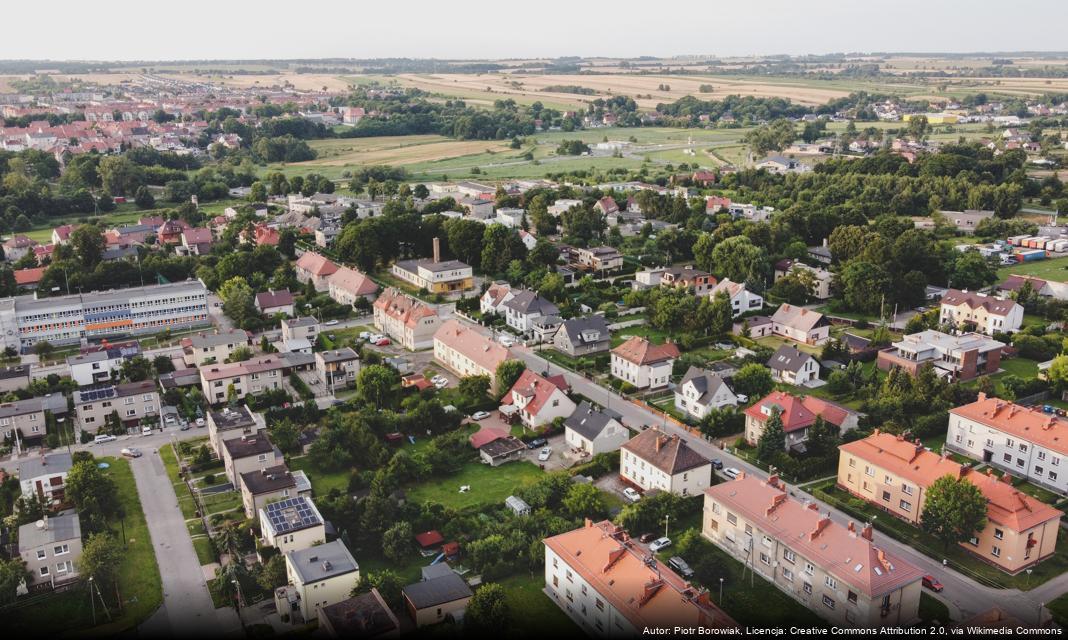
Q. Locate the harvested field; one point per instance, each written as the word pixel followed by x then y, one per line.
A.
pixel 398 150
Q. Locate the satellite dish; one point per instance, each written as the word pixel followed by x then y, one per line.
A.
pixel 40 524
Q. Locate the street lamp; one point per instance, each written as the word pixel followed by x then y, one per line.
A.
pixel 721 592
pixel 667 518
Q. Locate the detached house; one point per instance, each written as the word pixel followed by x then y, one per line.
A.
pixel 583 336
pixel 598 259
pixel 497 294
pixel 314 268
pixel 742 299
pixel 642 363
pixel 789 365
pixel 987 314
pixel 346 286
pixel 655 460
pixel 800 325
pixel 524 308
pixel 271 302
pixel 797 415
pixel 593 430
pixel 539 400
pixel 702 391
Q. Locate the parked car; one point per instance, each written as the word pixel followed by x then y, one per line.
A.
pixel 130 452
pixel 659 543
pixel 537 442
pixel 545 454
pixel 480 415
pixel 679 565
pixel 102 438
pixel 717 464
pixel 170 418
pixel 631 494
pixel 184 427
pixel 365 335
pixel 200 422
pixel 506 340
pixel 731 472
pixel 382 342
pixel 647 537
pixel 330 323
pixel 931 583
pixel 146 431
pixel 439 379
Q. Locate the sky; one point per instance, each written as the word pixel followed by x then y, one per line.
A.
pixel 481 29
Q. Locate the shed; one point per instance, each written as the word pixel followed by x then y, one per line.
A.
pixel 429 539
pixel 517 505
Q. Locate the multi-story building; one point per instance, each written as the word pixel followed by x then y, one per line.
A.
pixel 270 484
pixel 524 308
pixel 271 302
pixel 337 368
pixel 819 279
pixel 314 268
pixel 981 312
pixel 495 295
pixel 45 476
pixel 539 400
pixel 742 299
pixel 1023 441
pixel 63 320
pixel 248 453
pixel 594 430
pixel 98 365
pixel 292 524
pixel 957 357
pixel 642 363
pixel 208 348
pixel 26 418
pixel 654 459
pixel 583 336
pixel 318 577
pixel 836 571
pixel 14 377
pixel 598 259
pixel 132 401
pixel 228 423
pixel 347 286
pixel 51 549
pixel 894 474
pixel 466 352
pixel 300 333
pixel 800 325
pixel 249 377
pixel 790 365
pixel 701 391
pixel 434 274
pixel 408 321
pixel 611 588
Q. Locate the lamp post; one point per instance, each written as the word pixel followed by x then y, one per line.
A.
pixel 667 518
pixel 237 585
pixel 721 592
pixel 92 600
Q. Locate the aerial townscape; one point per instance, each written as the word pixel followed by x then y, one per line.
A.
pixel 375 329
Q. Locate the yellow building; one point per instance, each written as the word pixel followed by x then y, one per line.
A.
pixel 933 118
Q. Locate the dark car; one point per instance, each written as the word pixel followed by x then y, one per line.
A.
pixel 931 583
pixel 537 442
pixel 717 464
pixel 679 565
pixel 647 537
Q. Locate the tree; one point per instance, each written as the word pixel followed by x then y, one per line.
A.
pixel 257 192
pixel 120 175
pixel 238 299
pixel 772 439
pixel 972 271
pixel 374 383
pixel 753 380
pixel 397 541
pixel 721 315
pixel 93 494
pixel 143 198
pixel 487 611
pixel 136 369
pixel 1057 374
pixel 738 259
pixel 272 573
pixel 507 374
pixel 584 501
pixel 162 364
pixel 421 192
pixel 240 354
pixel 864 285
pixel 954 510
pixel 88 244
pixel 102 556
pixel 775 136
pixel 386 582
pixel 43 348
pixel 12 574
pixel 474 388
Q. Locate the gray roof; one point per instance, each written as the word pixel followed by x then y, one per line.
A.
pixel 589 421
pixel 430 593
pixel 528 302
pixel 315 564
pixel 215 339
pixel 244 447
pixel 788 358
pixel 17 371
pixel 121 297
pixel 706 382
pixel 438 570
pixel 92 356
pixel 339 355
pixel 268 480
pixel 303 321
pixel 227 418
pixel 58 529
pixel 36 466
pixel 575 327
pixel 21 407
pixel 429 264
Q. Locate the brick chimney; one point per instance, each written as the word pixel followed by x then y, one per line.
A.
pixel 852 527
pixel 821 524
pixel 437 250
pixel 866 532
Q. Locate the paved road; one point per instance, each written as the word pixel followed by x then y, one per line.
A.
pixel 968 596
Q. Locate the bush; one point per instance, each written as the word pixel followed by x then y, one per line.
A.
pixel 209 479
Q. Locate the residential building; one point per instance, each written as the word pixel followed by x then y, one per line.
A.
pixel 229 423
pixel 820 279
pixel 956 357
pixel 688 278
pixel 14 377
pixel 51 549
pixel 133 402
pixel 800 325
pixel 593 430
pixel 524 308
pixel 314 268
pixel 789 365
pixel 271 484
pixel 248 453
pixel 742 299
pixel 253 376
pixel 29 278
pixel 208 348
pixel 435 275
pixel 798 414
pixel 495 295
pixel 347 286
pixel 563 205
pixel 196 242
pixel 643 364
pixel 1044 288
pixel 292 524
pixel 655 460
pixel 599 259
pixel 836 571
pixel 894 474
pixel 466 352
pixel 980 312
pixel 611 588
pixel 318 577
pixel 583 336
pixel 23 420
pixel 99 365
pixel 701 391
pixel 539 400
pixel 410 322
pixel 363 616
pixel 781 165
pixel 300 333
pixel 966 221
pixel 16 247
pixel 441 593
pixel 337 368
pixel 45 475
pixel 271 302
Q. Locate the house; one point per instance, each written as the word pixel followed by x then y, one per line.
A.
pixel 797 414
pixel 61 234
pixel 466 352
pixel 337 368
pixel 248 453
pixel 820 253
pixel 598 259
pixel 314 268
pixel 606 206
pixel 753 327
pixel 701 391
pixel 894 474
pixel 300 333
pixel 30 277
pixel 714 204
pixel 611 588
pixel 593 430
pixel 347 286
pixel 14 377
pixel 264 236
pixel 95 367
pixel 45 475
pixel 271 302
pixel 966 221
pixel 196 242
pixel 292 524
pixel 271 484
pixel 524 307
pixel 655 460
pixel 643 364
pixel 703 178
pixel 410 322
pixel 835 570
pixel 528 239
pixel 1045 288
pixel 437 596
pixel 495 295
pixel 583 336
pixel 687 277
pixel 800 325
pixel 539 400
pixel 170 232
pixel 208 348
pixel 229 423
pixel 434 274
pixel 563 205
pixel 318 577
pixel 742 299
pixel 131 401
pixel 17 246
pixel 789 365
pixel 984 313
pixel 253 376
pixel 364 616
pixel 781 165
pixel 51 549
pixel 819 279
pixel 957 357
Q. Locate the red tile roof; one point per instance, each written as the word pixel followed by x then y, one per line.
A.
pixel 486 435
pixel 538 388
pixel 430 538
pixel 480 349
pixel 642 352
pixel 798 413
pixel 1026 423
pixel 403 307
pixel 316 264
pixel 29 276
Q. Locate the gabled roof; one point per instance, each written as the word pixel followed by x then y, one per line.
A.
pixel 574 329
pixel 788 358
pixel 669 453
pixel 798 413
pixel 486 353
pixel 403 307
pixel 486 435
pixel 446 588
pixel 994 306
pixel 529 302
pixel 29 276
pixel 641 352
pixel 589 421
pixel 705 382
pixel 538 389
pixel 197 236
pixel 352 281
pixel 316 264
pixel 272 298
pixel 1027 423
pixel 798 318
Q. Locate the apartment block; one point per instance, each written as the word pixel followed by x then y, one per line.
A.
pixel 132 401
pixel 410 322
pixel 249 377
pixel 209 348
pixel 957 357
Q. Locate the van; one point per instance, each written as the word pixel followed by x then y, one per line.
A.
pixel 102 438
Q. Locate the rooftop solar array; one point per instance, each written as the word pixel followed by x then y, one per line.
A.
pixel 292 514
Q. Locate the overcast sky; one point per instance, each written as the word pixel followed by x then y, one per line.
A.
pixel 232 29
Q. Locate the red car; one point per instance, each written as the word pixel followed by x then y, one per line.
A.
pixel 384 342
pixel 931 583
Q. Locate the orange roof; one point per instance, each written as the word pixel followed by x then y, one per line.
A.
pixel 642 352
pixel 1008 506
pixel 352 281
pixel 798 413
pixel 316 264
pixel 483 351
pixel 846 554
pixel 29 276
pixel 1027 423
pixel 403 307
pixel 538 388
pixel 647 595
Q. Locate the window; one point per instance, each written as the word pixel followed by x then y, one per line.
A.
pixel 995 551
pixel 765 559
pixel 1055 461
pixel 583 589
pixel 749 529
pixel 809 569
pixel 957 439
pixel 1038 470
pixel 41 554
pixel 788 555
pixel 853 462
pixel 60 550
pixel 788 574
pixel 1023 448
pixel 599 603
pixel 1007 457
pixel 999 534
pixel 807 588
pixel 766 541
pixel 868 471
pixel 569 577
pixel 830 582
pixel 1052 475
pixel 886 496
pixel 44 571
pixel 889 481
pixel 852 597
pixel 1009 442
pixel 1019 462
pixel 1041 455
pixel 731 518
pixel 906 489
pixel 973 541
pixel 906 505
pixel 567 593
pixel 828 602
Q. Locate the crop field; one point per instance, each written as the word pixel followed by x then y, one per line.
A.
pixel 398 150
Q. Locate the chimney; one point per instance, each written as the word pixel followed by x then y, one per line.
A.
pixel 437 250
pixel 821 524
pixel 866 532
pixel 589 523
pixel 982 396
pixel 852 527
pixel 773 480
pixel 44 520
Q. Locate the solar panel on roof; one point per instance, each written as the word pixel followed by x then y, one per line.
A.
pixel 291 514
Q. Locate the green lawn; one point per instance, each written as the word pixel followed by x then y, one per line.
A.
pixel 220 502
pixel 933 610
pixel 1052 269
pixel 532 612
pixel 322 481
pixel 205 550
pixel 1059 609
pixel 488 484
pixel 1020 367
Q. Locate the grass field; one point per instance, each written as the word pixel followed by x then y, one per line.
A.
pixel 322 481
pixel 1052 269
pixel 530 609
pixel 488 484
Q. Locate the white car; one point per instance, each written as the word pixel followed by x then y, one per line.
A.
pixel 200 422
pixel 146 431
pixel 545 454
pixel 131 452
pixel 330 323
pixel 631 494
pixel 506 340
pixel 659 543
pixel 731 472
pixel 480 415
pixel 102 438
pixel 439 379
pixel 441 384
pixel 365 335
